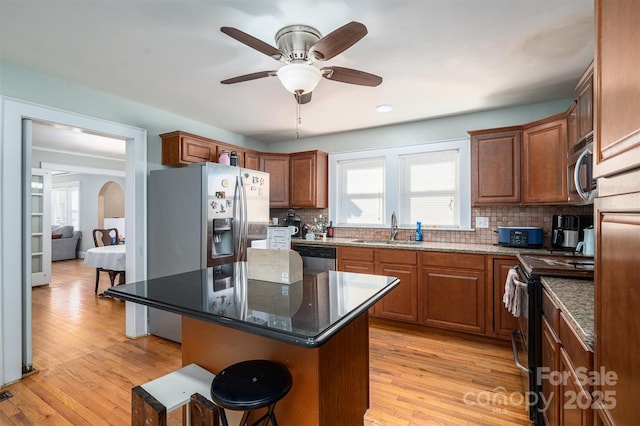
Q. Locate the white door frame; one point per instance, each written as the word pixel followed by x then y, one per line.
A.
pixel 12 247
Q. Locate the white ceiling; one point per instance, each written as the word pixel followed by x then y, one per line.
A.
pixel 436 57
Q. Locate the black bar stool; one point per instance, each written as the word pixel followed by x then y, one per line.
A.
pixel 251 385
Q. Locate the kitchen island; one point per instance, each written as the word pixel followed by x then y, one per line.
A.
pixel 317 327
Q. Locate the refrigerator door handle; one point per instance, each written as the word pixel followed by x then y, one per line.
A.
pixel 244 229
pixel 237 231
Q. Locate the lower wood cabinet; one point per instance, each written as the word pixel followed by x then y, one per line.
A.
pixel 401 302
pixel 576 361
pixel 356 259
pixel 565 371
pixel 452 291
pixel 550 350
pixel 503 321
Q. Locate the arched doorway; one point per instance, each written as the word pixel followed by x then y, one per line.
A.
pixel 111 210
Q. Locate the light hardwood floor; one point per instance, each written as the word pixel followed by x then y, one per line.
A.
pixel 87 367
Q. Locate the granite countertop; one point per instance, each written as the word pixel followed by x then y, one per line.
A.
pixel 422 246
pixel 575 297
pixel 305 313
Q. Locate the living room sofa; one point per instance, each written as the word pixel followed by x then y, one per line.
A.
pixel 64 242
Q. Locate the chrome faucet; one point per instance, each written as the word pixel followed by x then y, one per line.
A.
pixel 394 226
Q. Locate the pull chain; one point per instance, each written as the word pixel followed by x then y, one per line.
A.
pixel 298 118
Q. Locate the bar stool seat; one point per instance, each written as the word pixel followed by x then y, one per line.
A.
pixel 251 385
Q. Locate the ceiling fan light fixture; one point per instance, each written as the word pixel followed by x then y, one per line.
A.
pixel 299 78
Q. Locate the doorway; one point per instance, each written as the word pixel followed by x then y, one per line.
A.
pixel 15 280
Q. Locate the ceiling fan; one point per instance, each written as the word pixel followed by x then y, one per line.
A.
pixel 299 47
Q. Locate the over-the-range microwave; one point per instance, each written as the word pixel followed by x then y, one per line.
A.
pixel 581 185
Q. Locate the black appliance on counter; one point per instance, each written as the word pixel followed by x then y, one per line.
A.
pixel 520 236
pixel 568 231
pixel 293 220
pixel 527 339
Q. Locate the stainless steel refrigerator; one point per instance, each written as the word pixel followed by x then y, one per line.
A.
pixel 200 216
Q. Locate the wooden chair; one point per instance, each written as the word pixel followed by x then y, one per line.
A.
pixel 106 237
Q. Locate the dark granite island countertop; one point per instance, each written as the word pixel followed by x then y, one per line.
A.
pixel 305 313
pixel 318 328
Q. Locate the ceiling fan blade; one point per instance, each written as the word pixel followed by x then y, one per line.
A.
pixel 338 41
pixel 247 77
pixel 303 99
pixel 351 76
pixel 253 42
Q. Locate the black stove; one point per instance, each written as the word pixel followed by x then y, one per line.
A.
pixel 557 265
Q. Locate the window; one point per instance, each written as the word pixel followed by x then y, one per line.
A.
pixel 65 204
pixel 429 189
pixel 362 198
pixel 429 183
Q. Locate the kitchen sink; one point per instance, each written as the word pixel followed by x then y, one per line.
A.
pixel 389 242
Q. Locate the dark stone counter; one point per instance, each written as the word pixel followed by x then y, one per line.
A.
pixel 575 297
pixel 306 313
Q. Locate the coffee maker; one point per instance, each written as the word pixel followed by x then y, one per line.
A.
pixel 567 231
pixel 293 220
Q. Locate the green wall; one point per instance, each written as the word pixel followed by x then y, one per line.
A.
pixel 30 85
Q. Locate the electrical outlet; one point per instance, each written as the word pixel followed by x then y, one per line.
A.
pixel 482 222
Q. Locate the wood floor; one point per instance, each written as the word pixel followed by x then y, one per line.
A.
pixel 87 367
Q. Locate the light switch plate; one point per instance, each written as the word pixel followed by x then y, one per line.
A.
pixel 482 222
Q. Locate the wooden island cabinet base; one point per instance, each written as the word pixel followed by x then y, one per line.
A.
pixel 330 382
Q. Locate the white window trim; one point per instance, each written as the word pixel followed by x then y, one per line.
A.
pixel 392 182
pixel 69 184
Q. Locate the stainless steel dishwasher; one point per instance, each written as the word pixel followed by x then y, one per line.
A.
pixel 317 257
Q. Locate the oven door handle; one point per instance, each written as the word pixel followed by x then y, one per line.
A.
pixel 516 358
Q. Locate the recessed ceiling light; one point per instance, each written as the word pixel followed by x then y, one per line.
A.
pixel 384 108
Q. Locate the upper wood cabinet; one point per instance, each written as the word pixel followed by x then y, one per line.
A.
pixel 495 166
pixel 617 98
pixel 584 106
pixel 252 160
pixel 277 165
pixel 297 180
pixel 308 179
pixel 572 126
pixel 544 161
pixel 520 165
pixel 181 148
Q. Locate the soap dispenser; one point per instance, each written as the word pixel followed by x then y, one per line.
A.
pixel 419 231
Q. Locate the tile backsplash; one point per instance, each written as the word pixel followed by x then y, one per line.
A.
pixel 498 216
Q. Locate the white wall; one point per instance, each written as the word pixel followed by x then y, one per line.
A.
pixel 89 189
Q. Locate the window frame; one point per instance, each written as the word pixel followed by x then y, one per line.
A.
pixel 392 182
pixel 67 186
